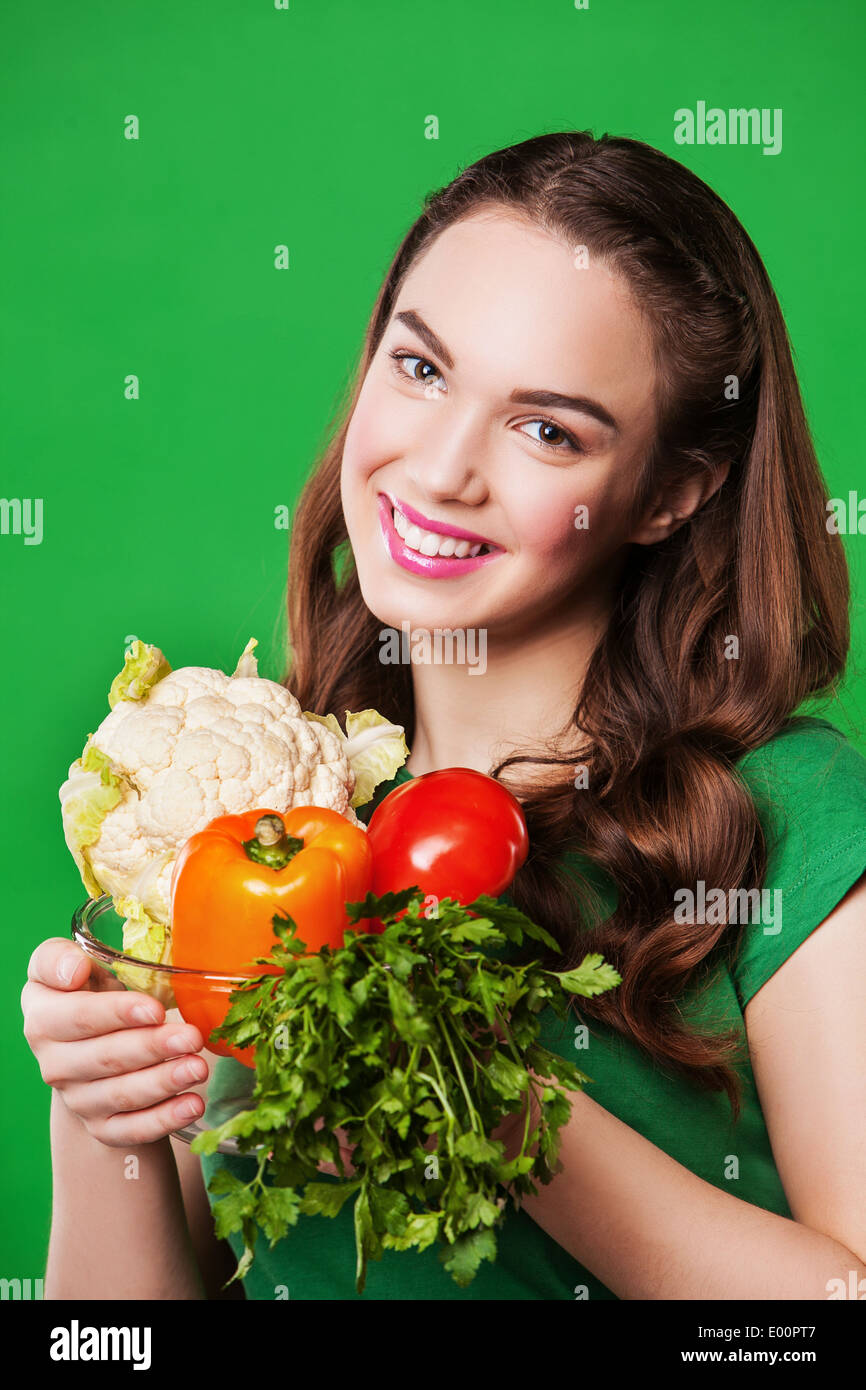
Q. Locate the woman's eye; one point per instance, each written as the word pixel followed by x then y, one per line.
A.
pixel 566 443
pixel 409 373
pixel 571 444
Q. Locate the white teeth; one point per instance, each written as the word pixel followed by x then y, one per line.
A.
pixel 431 542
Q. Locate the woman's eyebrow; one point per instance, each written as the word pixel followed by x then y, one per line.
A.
pixel 414 321
pixel 520 396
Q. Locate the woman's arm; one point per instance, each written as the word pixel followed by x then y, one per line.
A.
pixel 118 1227
pixel 648 1228
pixel 109 1226
pixel 214 1258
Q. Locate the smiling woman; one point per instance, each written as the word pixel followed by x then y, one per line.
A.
pixel 582 327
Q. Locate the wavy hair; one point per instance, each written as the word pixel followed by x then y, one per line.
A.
pixel 663 715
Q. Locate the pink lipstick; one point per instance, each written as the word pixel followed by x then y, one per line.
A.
pixel 430 566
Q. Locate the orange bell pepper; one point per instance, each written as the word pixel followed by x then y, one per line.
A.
pixel 231 879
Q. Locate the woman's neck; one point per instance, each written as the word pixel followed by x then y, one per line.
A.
pixel 522 702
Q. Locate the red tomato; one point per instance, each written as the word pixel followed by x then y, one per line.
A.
pixel 457 833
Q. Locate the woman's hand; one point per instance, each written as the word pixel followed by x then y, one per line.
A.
pixel 325 1166
pixel 107 1051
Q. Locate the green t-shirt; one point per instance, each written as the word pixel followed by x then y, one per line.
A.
pixel 809 786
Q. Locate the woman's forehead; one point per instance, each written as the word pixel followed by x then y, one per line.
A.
pixel 515 310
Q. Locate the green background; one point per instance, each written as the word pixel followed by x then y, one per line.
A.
pixel 155 256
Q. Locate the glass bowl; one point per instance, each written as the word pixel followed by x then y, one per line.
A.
pixel 98 930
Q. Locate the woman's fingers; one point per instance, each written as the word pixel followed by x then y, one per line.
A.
pixel 114 1053
pixel 110 1053
pixel 60 964
pixel 59 1016
pixel 145 1126
pixel 135 1090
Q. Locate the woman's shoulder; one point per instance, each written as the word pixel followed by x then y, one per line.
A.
pixel 808 785
pixel 808 781
pixel 807 742
pixel 809 788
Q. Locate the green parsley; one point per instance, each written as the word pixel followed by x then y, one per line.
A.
pixel 416 1042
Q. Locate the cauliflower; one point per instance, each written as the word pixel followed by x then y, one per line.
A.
pixel 182 747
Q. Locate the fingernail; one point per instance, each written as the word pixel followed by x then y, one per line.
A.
pixel 180 1042
pixel 186 1109
pixel 67 967
pixel 142 1014
pixel 193 1070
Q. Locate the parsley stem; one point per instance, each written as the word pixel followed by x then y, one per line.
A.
pixel 362 1119
pixel 526 1125
pixel 509 1039
pixel 473 1113
pixel 256 1179
pixel 472 1055
pixel 497 1018
pixel 425 1076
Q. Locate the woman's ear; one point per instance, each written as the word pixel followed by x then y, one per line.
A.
pixel 667 512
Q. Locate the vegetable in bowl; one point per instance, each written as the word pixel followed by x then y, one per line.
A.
pixel 182 747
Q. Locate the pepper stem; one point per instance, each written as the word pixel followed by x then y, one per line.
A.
pixel 271 845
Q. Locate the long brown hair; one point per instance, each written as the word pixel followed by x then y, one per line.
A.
pixel 663 713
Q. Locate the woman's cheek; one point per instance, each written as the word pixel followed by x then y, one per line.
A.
pixel 376 435
pixel 359 448
pixel 360 460
pixel 549 533
pixel 566 536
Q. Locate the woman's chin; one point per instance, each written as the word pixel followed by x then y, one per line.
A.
pixel 417 611
pixel 415 616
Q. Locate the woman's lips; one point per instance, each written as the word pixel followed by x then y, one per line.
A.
pixel 431 566
pixel 425 524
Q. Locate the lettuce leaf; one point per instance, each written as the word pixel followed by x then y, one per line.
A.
pixel 93 789
pixel 145 939
pixel 143 666
pixel 86 797
pixel 374 747
pixel 247 665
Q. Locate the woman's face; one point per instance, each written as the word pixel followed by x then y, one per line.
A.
pixel 497 307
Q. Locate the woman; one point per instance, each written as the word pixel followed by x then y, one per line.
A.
pixel 577 359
